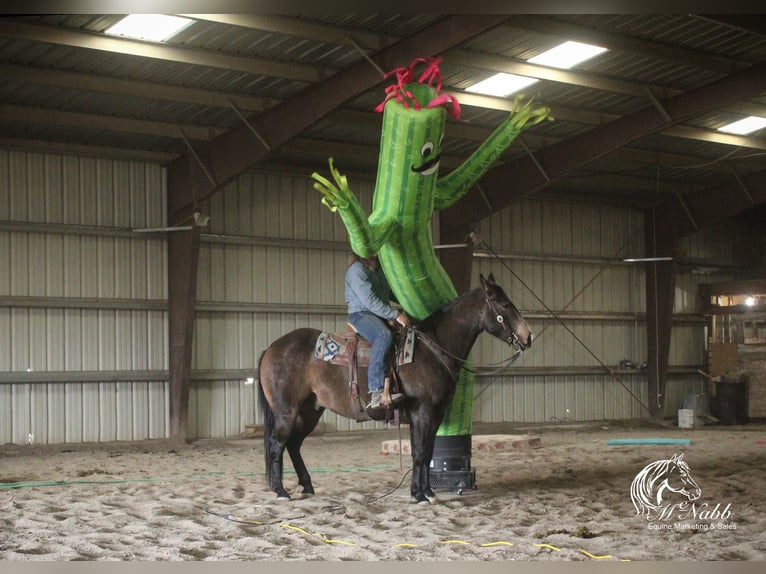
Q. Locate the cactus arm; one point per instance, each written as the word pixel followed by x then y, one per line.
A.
pixel 454 185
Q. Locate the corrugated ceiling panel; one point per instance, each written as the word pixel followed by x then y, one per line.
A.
pixel 696 33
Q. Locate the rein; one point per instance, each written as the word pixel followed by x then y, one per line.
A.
pixel 439 351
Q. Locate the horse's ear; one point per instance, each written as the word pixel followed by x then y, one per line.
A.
pixel 486 281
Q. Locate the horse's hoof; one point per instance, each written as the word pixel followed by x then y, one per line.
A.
pixel 308 493
pixel 283 496
pixel 420 498
pixel 431 496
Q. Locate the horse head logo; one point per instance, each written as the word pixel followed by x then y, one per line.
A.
pixel 660 481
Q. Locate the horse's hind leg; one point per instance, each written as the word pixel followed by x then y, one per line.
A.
pixel 305 423
pixel 274 456
pixel 283 434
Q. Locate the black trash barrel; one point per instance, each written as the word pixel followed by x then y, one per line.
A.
pixel 730 404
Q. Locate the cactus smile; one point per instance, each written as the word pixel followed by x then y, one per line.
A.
pixel 429 167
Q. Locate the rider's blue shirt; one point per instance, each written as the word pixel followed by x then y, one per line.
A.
pixel 368 291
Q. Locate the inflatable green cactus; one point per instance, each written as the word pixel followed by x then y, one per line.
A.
pixel 407 192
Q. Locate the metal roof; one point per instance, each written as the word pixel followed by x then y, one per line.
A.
pixel 68 86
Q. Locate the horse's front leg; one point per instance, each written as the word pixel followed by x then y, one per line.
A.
pixel 422 436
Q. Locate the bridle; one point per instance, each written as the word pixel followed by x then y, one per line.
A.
pixel 511 337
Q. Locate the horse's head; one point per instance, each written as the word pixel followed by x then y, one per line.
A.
pixel 503 319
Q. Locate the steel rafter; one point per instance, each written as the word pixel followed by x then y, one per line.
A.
pixel 525 175
pixel 238 149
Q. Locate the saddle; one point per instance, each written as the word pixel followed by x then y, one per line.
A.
pixel 353 351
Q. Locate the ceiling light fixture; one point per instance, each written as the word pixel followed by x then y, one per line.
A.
pixel 567 55
pixel 502 84
pixel 564 56
pixel 152 27
pixel 747 125
pixel 646 259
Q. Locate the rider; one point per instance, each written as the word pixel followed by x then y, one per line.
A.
pixel 367 296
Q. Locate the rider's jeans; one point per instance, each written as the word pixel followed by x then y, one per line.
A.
pixel 374 329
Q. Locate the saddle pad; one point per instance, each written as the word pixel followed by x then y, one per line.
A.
pixel 333 347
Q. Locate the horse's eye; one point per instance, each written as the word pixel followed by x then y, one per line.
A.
pixel 427 149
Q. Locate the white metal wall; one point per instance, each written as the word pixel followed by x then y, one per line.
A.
pixel 273 261
pixel 563 267
pixel 83 325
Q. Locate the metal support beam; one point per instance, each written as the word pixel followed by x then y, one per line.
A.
pixel 198 159
pixel 660 290
pixel 711 206
pixel 232 153
pixel 657 104
pixel 183 259
pixel 685 207
pixel 521 176
pixel 742 185
pixel 249 126
pixel 458 262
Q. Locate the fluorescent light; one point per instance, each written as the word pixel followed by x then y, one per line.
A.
pixel 564 55
pixel 745 126
pixel 646 259
pixel 502 84
pixel 152 27
pixel 567 55
pixel 750 301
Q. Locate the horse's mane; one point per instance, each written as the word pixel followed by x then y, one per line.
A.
pixel 430 323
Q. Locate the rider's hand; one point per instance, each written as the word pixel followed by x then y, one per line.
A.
pixel 403 319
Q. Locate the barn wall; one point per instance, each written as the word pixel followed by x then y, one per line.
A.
pixel 83 328
pixel 83 321
pixel 562 265
pixel 274 260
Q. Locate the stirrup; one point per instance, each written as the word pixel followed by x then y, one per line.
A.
pixel 388 398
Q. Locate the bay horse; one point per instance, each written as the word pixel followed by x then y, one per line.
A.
pixel 295 387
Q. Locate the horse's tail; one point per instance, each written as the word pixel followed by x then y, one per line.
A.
pixel 268 419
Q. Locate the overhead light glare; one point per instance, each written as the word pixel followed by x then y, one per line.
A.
pixel 750 301
pixel 564 56
pixel 567 55
pixel 152 27
pixel 501 84
pixel 646 259
pixel 745 126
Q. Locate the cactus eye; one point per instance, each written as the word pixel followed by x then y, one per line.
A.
pixel 427 149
